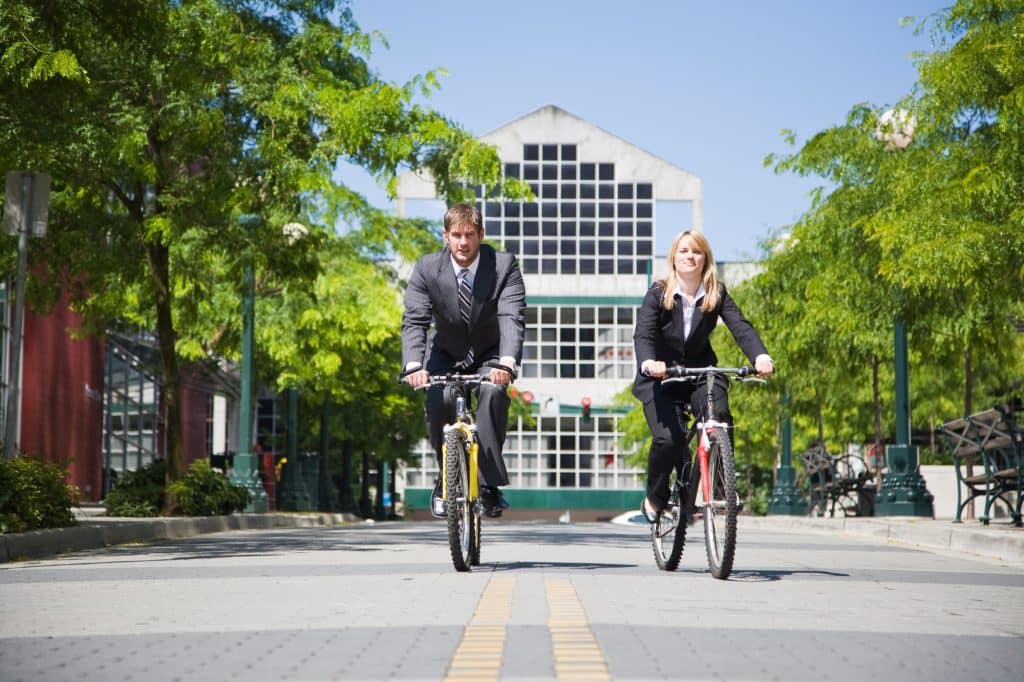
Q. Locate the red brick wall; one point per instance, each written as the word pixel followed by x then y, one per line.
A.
pixel 62 389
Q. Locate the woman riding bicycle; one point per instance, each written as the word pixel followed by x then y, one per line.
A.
pixel 674 327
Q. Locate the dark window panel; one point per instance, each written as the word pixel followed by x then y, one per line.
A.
pixel 606 209
pixel 644 229
pixel 511 209
pixel 606 171
pixel 587 210
pixel 605 191
pixel 531 228
pixel 568 210
pixel 550 316
pixel 512 246
pixel 549 191
pixel 477 191
pixel 549 228
pixel 492 227
pixel 587 191
pixel 586 371
pixel 512 170
pixel 587 352
pixel 531 171
pixel 549 172
pixel 492 209
pixel 625 228
pixel 549 247
pixel 606 247
pixel 644 248
pixel 531 320
pixel 587 248
pixel 549 266
pixel 531 210
pixel 625 267
pixel 568 152
pixel 512 228
pixel 625 190
pixel 605 266
pixel 568 266
pixel 530 266
pixel 625 209
pixel 624 315
pixel 644 190
pixel 625 247
pixel 606 229
pixel 568 171
pixel 530 247
pixel 494 192
pixel 587 229
pixel 588 171
pixel 644 210
pixel 567 315
pixel 568 228
pixel 568 247
pixel 549 152
pixel 568 191
pixel 535 188
pixel 531 152
pixel 567 371
pixel 549 209
pixel 567 335
pixel 587 317
pixel 587 266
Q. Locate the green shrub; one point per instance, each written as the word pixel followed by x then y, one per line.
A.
pixel 205 492
pixel 140 492
pixel 34 494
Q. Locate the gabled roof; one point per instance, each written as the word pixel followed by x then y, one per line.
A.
pixel 550 125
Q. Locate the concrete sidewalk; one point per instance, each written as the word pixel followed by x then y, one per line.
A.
pixel 998 541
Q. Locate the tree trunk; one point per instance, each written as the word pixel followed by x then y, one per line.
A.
pixel 158 257
pixel 969 409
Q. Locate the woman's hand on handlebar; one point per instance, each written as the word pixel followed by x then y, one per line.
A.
pixel 764 365
pixel 418 378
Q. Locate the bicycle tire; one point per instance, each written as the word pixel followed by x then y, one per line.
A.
pixel 457 503
pixel 720 512
pixel 669 530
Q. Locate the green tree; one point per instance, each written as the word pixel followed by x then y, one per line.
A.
pixel 163 122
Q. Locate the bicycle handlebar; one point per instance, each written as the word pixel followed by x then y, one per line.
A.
pixel 680 373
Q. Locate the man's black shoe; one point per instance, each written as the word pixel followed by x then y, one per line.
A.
pixel 493 501
pixel 437 507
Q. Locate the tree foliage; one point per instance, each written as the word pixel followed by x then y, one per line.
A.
pixel 164 123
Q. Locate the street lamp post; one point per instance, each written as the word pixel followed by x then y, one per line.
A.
pixel 787 498
pixel 245 471
pixel 903 491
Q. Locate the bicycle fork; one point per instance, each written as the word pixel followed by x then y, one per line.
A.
pixel 473 469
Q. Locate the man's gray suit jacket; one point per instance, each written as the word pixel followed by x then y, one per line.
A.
pixel 496 325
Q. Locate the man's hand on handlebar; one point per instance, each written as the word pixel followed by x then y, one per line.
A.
pixel 418 378
pixel 500 377
pixel 657 369
pixel 764 366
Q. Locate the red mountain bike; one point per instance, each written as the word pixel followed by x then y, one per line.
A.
pixel 709 490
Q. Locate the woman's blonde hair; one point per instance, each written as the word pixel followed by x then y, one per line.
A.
pixel 709 277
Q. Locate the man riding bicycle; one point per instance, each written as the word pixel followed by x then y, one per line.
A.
pixel 475 300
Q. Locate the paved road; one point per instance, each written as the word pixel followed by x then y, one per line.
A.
pixel 572 602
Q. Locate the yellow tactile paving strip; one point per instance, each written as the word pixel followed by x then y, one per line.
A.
pixel 478 656
pixel 575 650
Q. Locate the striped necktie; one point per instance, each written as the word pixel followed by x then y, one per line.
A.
pixel 465 295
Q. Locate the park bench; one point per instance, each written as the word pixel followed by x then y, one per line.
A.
pixel 837 482
pixel 989 461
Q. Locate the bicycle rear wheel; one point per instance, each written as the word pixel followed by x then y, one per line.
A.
pixel 720 511
pixel 457 503
pixel 668 533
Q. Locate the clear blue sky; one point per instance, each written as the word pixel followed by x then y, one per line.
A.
pixel 706 86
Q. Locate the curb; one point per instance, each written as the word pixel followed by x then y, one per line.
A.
pixel 997 541
pixel 97 532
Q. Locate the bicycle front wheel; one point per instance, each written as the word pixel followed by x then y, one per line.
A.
pixel 721 508
pixel 668 533
pixel 457 502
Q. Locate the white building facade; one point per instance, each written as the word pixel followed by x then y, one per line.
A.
pixel 586 247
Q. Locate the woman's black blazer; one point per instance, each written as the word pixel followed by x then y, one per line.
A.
pixel 659 335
